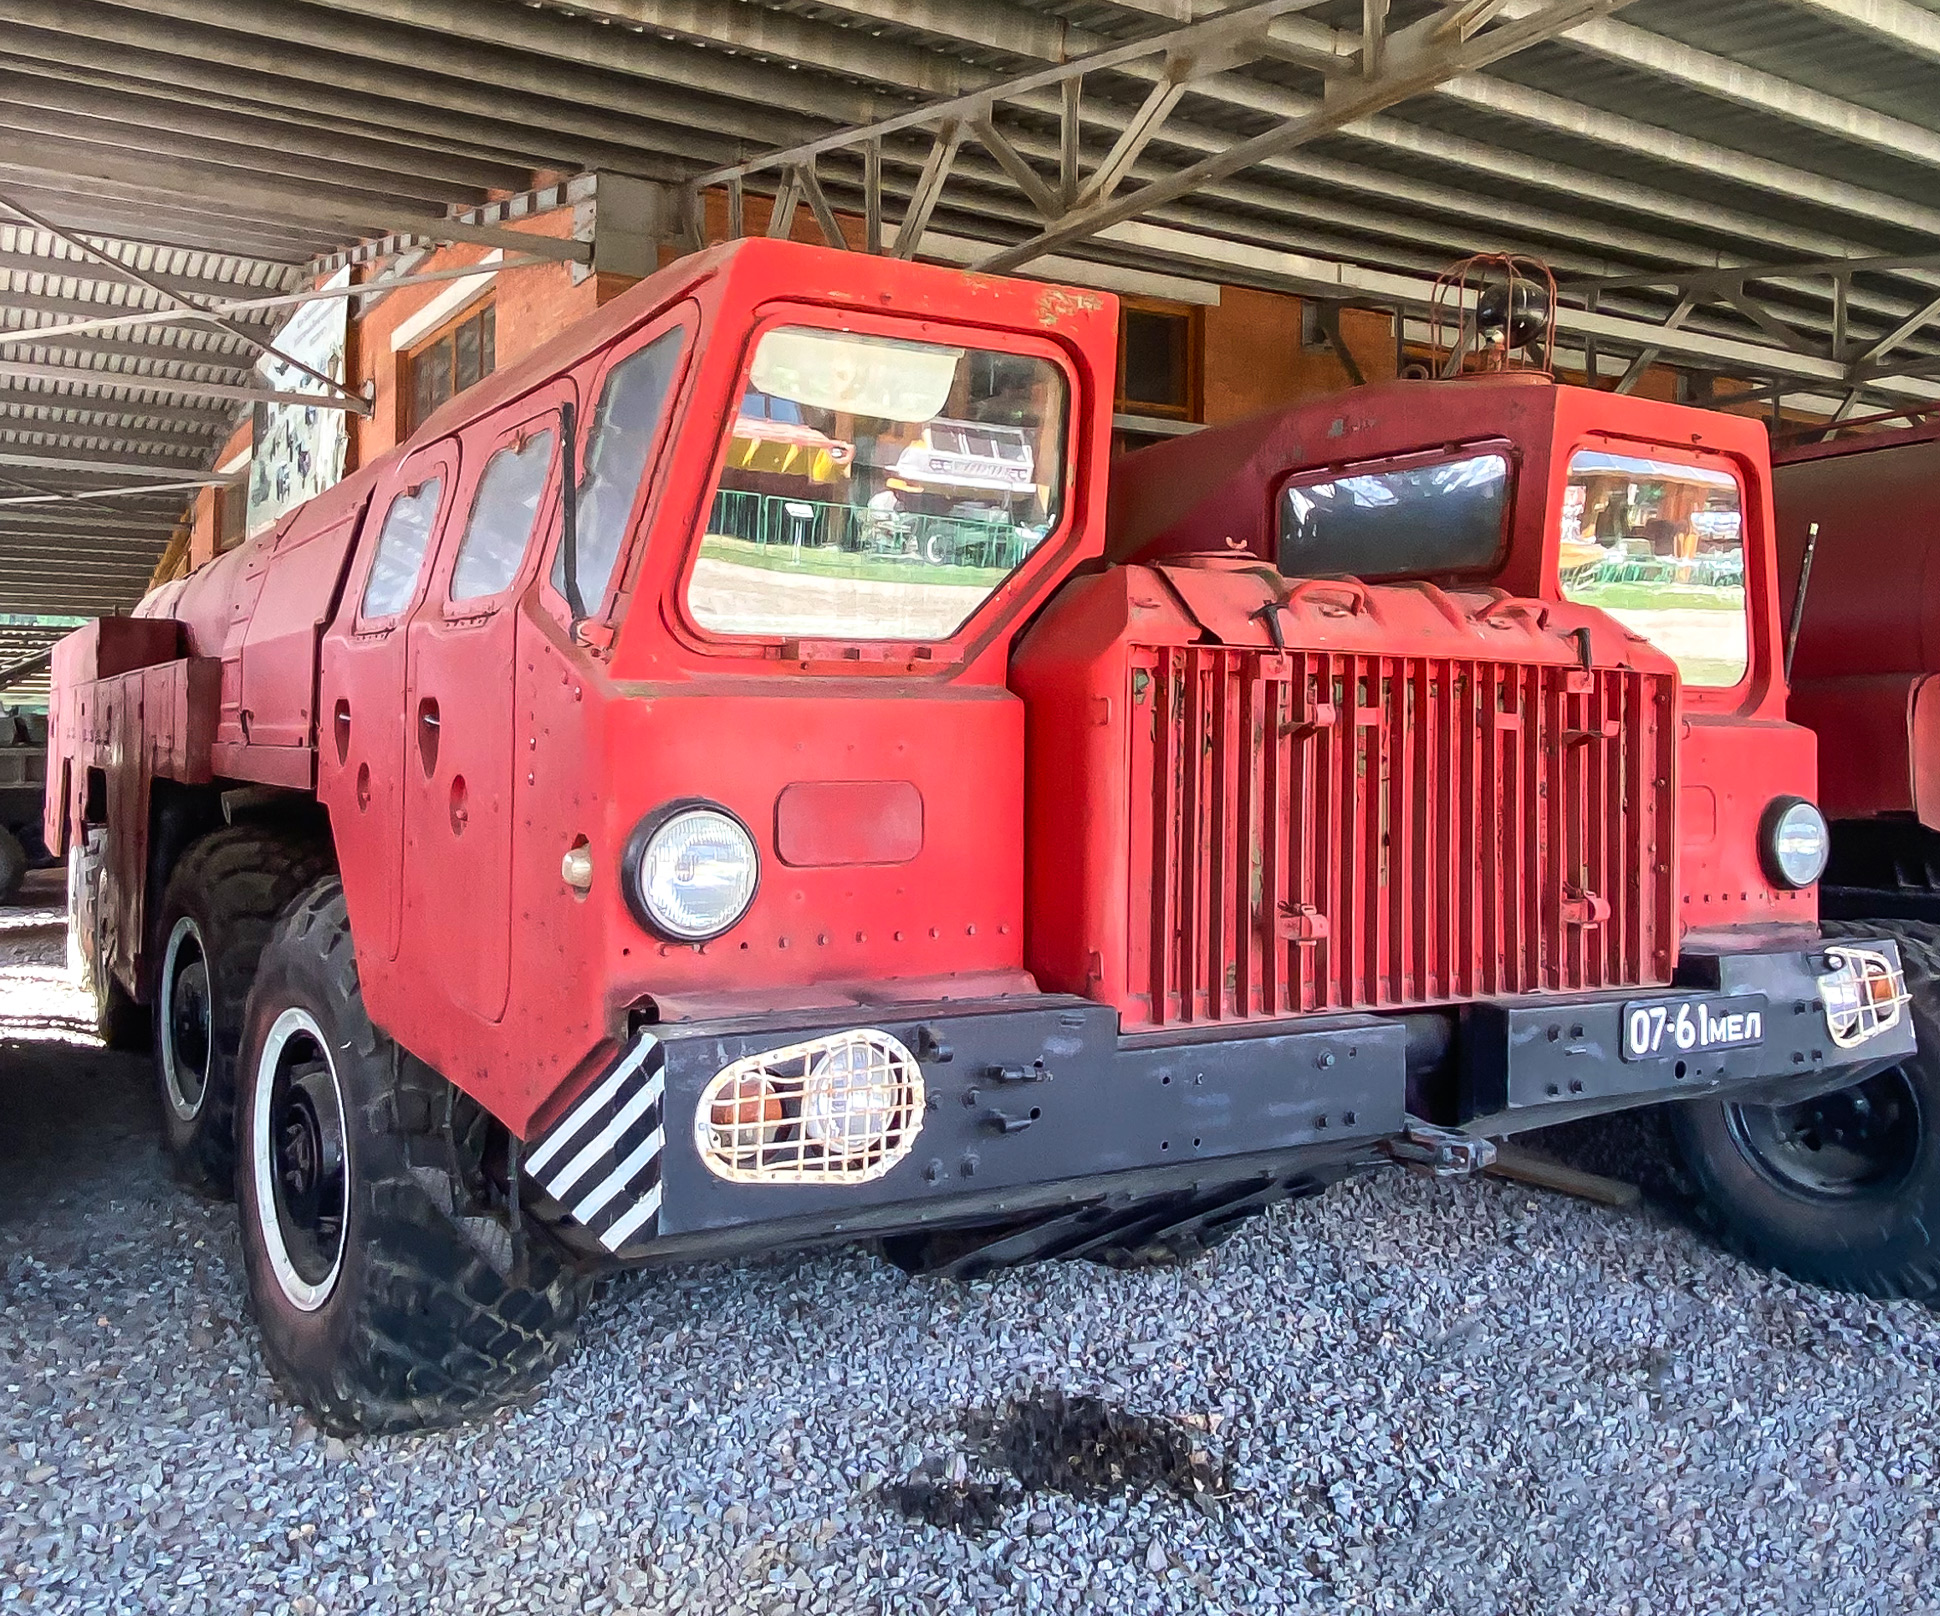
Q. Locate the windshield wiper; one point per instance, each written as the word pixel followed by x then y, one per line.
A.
pixel 569 514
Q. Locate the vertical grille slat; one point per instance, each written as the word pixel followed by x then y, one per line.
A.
pixel 1545 788
pixel 1275 844
pixel 1424 943
pixel 1165 832
pixel 1305 765
pixel 1624 793
pixel 1445 761
pixel 1466 732
pixel 1246 745
pixel 1403 961
pixel 1585 807
pixel 1496 811
pixel 1192 819
pixel 1329 831
pixel 1319 802
pixel 1351 888
pixel 1226 845
pixel 1624 908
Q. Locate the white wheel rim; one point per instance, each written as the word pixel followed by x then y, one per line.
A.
pixel 305 1295
pixel 173 1091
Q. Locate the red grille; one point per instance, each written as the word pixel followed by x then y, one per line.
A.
pixel 1318 831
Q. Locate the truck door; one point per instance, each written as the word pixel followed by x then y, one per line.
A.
pixel 459 701
pixel 364 741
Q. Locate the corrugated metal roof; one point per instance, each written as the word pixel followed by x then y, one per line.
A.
pixel 226 146
pixel 85 409
pixel 1802 47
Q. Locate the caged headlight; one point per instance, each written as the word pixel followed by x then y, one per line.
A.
pixel 691 871
pixel 1795 842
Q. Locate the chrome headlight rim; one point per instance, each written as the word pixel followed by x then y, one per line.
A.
pixel 633 863
pixel 1772 826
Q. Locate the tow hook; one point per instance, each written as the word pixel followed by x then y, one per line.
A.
pixel 1436 1152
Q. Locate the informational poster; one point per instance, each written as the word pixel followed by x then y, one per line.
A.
pixel 300 448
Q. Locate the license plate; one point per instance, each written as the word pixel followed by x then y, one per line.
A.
pixel 1656 1029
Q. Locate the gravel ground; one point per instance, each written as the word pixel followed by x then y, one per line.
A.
pixel 1404 1396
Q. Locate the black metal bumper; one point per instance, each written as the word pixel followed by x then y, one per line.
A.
pixel 1037 1104
pixel 1534 1064
pixel 1031 1104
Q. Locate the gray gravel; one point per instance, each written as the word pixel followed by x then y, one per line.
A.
pixel 1424 1398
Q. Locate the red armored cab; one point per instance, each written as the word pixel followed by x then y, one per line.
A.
pixel 725 783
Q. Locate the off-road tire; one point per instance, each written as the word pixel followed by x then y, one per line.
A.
pixel 223 899
pixel 435 1313
pixel 119 1022
pixel 1882 1241
pixel 13 865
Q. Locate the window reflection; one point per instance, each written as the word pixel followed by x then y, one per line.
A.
pixel 401 545
pixel 1660 546
pixel 876 488
pixel 1402 522
pixel 503 514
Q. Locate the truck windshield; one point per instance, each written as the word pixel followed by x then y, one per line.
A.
pixel 1660 546
pixel 876 488
pixel 1397 522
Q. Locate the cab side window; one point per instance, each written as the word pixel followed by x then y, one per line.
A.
pixel 625 425
pixel 504 512
pixel 1660 546
pixel 401 545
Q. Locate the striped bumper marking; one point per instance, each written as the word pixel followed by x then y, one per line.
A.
pixel 601 1160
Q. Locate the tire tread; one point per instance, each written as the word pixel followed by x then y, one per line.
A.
pixel 452 1324
pixel 241 878
pixel 1912 1272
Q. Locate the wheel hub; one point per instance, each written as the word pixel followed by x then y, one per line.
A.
pixel 1855 1142
pixel 299 1157
pixel 189 1025
pixel 187 1015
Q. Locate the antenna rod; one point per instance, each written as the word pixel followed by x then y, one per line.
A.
pixel 1798 600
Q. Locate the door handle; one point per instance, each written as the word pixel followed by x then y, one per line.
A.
pixel 428 728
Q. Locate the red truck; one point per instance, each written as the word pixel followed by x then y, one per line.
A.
pixel 582 838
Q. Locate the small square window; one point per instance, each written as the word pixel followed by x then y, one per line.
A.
pixel 459 356
pixel 232 514
pixel 1158 361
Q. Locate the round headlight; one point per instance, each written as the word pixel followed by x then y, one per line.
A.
pixel 1796 842
pixel 850 1098
pixel 692 872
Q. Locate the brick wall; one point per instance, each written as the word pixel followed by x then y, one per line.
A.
pixel 1254 360
pixel 205 519
pixel 533 305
